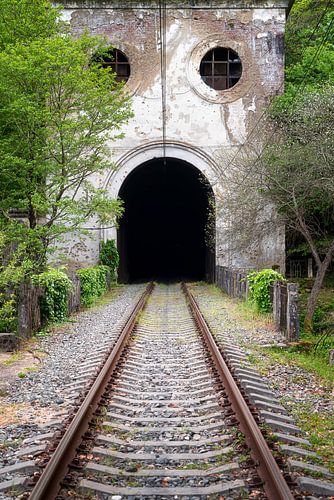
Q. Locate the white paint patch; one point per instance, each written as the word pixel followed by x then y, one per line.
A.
pixel 252 107
pixel 173 32
pixel 264 15
pixel 237 120
pixel 220 14
pixel 66 15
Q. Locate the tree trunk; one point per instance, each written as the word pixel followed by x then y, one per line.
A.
pixel 312 301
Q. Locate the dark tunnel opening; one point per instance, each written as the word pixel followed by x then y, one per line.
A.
pixel 162 235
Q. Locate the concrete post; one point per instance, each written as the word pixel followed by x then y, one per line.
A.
pixel 292 320
pixel 310 268
pixel 23 316
pixel 28 310
pixel 277 305
pixel 331 357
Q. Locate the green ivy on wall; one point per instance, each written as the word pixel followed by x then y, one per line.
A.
pixel 93 283
pixel 259 283
pixel 109 256
pixel 57 285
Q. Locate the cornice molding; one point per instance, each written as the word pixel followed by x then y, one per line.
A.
pixel 179 4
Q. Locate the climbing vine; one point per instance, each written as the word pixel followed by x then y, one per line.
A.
pixel 259 287
pixel 109 256
pixel 57 285
pixel 93 283
pixel 8 316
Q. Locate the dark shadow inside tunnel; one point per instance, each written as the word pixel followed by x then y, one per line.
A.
pixel 163 233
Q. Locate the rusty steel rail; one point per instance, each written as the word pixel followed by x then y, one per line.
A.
pixel 275 485
pixel 49 483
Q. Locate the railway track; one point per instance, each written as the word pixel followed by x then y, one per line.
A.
pixel 164 418
pixel 166 427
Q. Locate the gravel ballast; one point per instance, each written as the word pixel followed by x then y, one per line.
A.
pixel 291 384
pixel 41 397
pixel 285 389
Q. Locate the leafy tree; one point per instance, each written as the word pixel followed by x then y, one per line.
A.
pixel 59 110
pixel 22 21
pixel 298 176
pixel 290 182
pixel 309 44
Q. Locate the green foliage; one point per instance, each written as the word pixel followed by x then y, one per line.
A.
pixel 109 256
pixel 309 50
pixel 93 283
pixel 259 287
pixel 59 110
pixel 320 317
pixel 309 43
pixel 298 170
pixel 8 313
pixel 323 314
pixel 23 20
pixel 297 173
pixel 57 287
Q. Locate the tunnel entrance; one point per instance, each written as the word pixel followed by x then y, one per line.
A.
pixel 162 235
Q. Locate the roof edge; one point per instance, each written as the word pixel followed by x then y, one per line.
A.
pixel 180 4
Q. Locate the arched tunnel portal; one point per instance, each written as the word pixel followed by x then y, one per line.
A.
pixel 164 234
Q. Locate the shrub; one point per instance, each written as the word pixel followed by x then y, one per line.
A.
pixel 57 284
pixel 109 256
pixel 259 287
pixel 8 314
pixel 93 283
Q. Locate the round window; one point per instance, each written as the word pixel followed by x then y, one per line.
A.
pixel 118 62
pixel 221 68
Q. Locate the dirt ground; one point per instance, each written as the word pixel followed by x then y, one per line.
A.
pixel 12 366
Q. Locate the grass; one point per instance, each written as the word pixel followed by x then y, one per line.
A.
pixel 324 314
pixel 319 426
pixel 320 429
pixel 16 356
pixel 244 312
pixel 311 362
pixel 15 443
pixel 27 347
pixel 109 461
pixel 302 354
pixel 45 332
pixel 27 370
pixel 108 296
pixel 199 466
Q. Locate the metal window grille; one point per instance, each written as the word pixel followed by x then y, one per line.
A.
pixel 221 68
pixel 119 63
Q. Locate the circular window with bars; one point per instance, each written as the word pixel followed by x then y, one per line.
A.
pixel 221 68
pixel 118 62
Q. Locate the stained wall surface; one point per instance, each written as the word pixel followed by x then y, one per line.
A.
pixel 200 121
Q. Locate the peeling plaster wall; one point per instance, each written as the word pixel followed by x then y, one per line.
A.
pixel 197 116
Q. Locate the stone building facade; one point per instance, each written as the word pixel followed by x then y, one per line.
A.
pixel 200 76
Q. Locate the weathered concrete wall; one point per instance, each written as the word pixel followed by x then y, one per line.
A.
pixel 200 121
